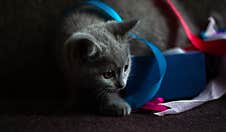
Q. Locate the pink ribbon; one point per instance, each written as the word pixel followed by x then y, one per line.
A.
pixel 153 105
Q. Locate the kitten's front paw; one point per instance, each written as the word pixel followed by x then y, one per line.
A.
pixel 116 108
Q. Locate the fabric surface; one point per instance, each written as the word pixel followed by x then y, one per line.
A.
pixel 210 117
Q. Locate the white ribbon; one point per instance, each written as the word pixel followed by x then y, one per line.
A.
pixel 214 90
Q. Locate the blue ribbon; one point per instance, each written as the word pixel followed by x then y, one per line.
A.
pixel 145 94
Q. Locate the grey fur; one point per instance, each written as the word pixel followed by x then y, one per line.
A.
pixel 91 49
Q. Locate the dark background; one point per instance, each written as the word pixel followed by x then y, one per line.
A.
pixel 27 64
pixel 31 86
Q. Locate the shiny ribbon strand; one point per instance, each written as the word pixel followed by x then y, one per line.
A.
pixel 214 47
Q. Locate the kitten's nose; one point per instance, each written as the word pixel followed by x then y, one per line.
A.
pixel 120 85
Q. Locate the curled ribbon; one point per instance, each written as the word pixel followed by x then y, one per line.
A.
pixel 214 47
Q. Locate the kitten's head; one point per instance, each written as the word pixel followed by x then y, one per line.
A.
pixel 100 54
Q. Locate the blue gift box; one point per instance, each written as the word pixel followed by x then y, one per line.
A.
pixel 185 76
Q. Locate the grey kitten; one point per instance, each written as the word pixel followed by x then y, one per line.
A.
pixel 86 38
pixel 95 57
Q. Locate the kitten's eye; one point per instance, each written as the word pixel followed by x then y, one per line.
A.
pixel 108 75
pixel 126 67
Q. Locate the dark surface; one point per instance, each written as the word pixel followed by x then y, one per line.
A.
pixel 210 117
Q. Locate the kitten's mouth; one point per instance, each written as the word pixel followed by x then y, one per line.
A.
pixel 110 89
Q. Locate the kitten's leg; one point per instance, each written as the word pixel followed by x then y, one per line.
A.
pixel 113 104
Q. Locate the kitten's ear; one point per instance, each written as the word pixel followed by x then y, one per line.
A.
pixel 121 28
pixel 82 45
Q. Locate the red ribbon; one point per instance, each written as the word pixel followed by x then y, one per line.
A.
pixel 214 47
